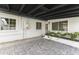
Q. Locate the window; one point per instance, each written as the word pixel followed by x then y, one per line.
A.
pixel 12 24
pixel 55 26
pixel 7 24
pixel 38 25
pixel 61 26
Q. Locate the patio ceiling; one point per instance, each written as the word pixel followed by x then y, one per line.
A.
pixel 43 11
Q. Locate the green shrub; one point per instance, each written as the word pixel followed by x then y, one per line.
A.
pixel 59 34
pixel 48 34
pixel 51 34
pixel 77 33
pixel 73 36
pixel 64 34
pixel 55 35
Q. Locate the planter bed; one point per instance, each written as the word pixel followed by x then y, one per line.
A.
pixel 68 36
pixel 63 40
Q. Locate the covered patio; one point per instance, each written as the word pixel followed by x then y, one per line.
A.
pixel 37 46
pixel 23 25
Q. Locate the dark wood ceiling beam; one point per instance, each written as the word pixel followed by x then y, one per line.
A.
pixel 60 11
pixel 33 10
pixel 21 8
pixel 67 13
pixel 59 16
pixel 75 15
pixel 52 9
pixel 66 16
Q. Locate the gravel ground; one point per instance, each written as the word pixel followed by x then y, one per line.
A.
pixel 37 46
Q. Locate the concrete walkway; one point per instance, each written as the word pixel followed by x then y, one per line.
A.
pixel 37 46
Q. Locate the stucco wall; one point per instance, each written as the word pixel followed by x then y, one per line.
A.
pixel 21 31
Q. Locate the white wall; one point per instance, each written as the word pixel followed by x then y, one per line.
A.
pixel 73 24
pixel 21 32
pixel 32 32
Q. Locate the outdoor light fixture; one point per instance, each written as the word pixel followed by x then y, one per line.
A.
pixel 27 26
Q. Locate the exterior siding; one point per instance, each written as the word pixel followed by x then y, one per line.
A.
pixel 73 24
pixel 21 31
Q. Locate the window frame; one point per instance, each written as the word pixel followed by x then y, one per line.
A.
pixel 59 25
pixel 9 20
pixel 62 24
pixel 38 25
pixel 53 27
